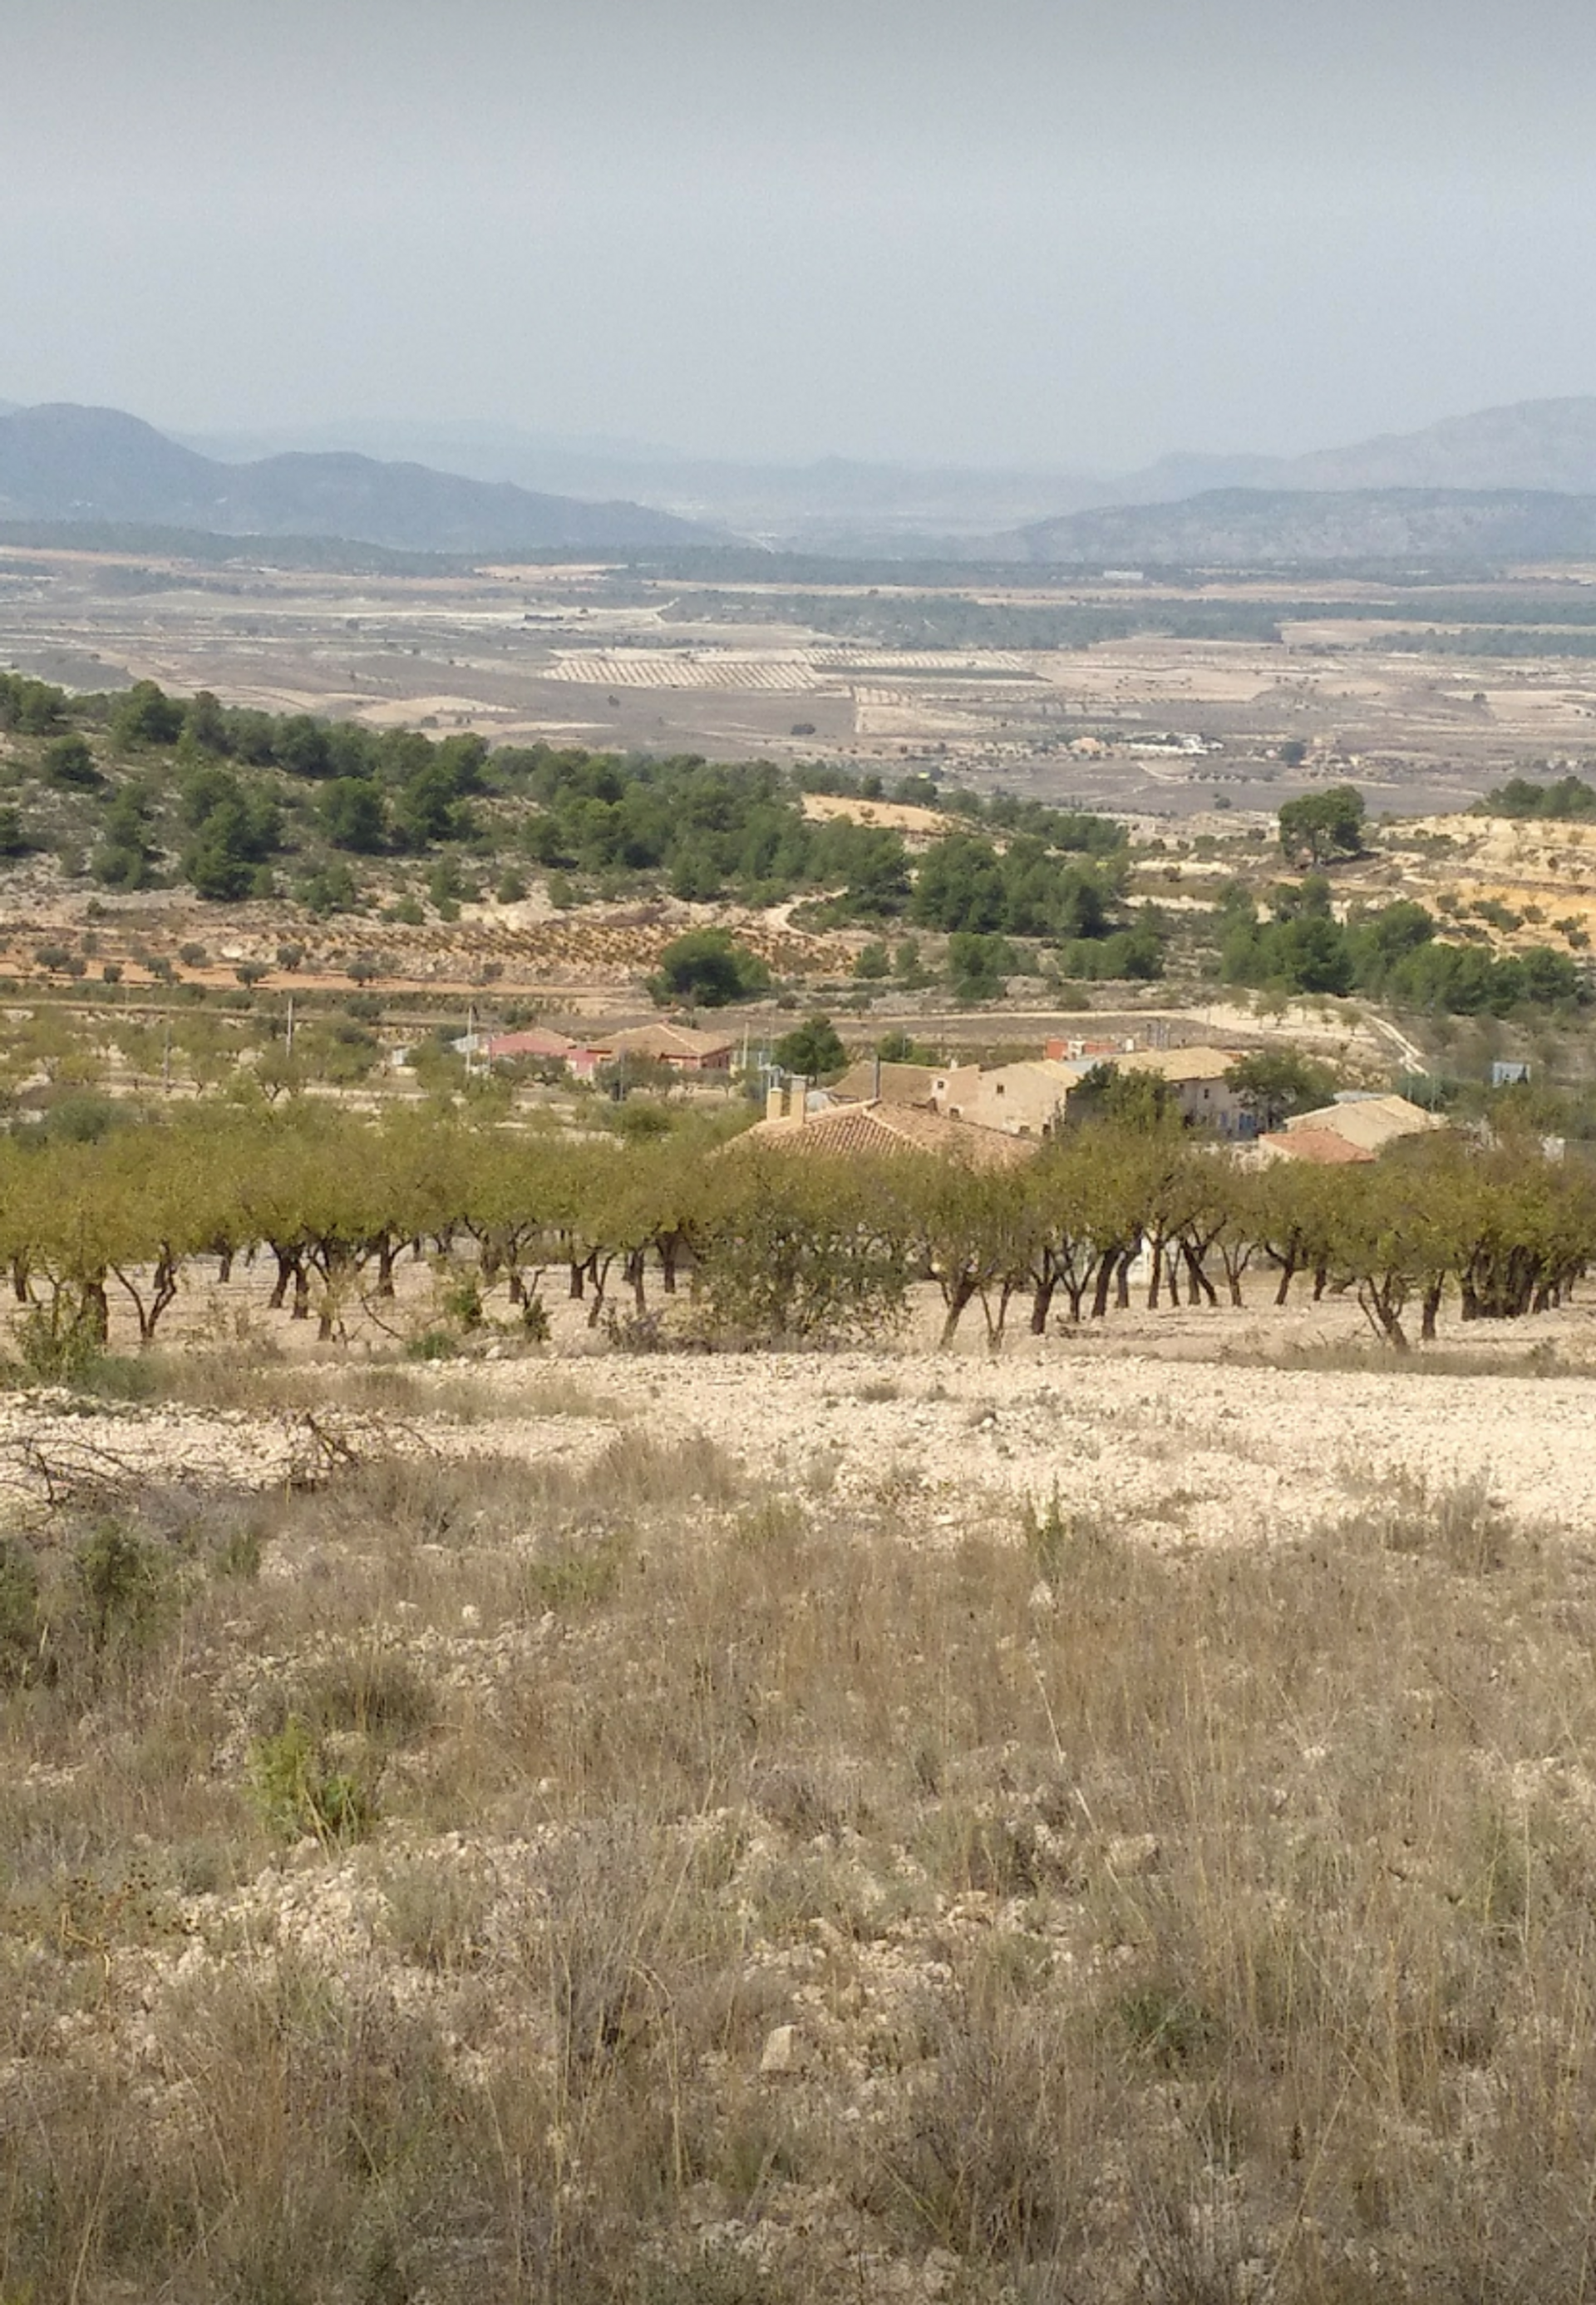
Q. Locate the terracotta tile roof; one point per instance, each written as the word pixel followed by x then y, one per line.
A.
pixel 1369 1121
pixel 667 1041
pixel 538 1042
pixel 856 1132
pixel 1322 1147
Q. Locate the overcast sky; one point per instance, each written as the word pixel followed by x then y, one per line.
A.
pixel 1078 233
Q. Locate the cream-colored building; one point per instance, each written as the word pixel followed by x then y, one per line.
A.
pixel 1198 1076
pixel 1031 1098
pixel 1022 1100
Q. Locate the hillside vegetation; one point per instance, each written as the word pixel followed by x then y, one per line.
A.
pixel 145 791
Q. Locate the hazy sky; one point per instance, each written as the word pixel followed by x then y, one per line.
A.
pixel 1076 232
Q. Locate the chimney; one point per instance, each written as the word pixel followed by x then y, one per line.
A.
pixel 773 1102
pixel 800 1098
pixel 876 1083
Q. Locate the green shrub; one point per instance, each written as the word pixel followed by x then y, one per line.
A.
pixel 21 1623
pixel 298 1793
pixel 58 1343
pixel 125 1587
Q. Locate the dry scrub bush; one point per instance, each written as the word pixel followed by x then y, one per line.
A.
pixel 1161 1927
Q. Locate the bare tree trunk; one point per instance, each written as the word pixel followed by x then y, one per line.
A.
pixel 1198 1284
pixel 955 1296
pixel 96 1312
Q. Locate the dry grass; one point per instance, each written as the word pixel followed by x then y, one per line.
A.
pixel 1490 1355
pixel 1150 1927
pixel 239 1380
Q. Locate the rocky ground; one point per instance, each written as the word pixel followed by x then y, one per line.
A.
pixel 1198 1426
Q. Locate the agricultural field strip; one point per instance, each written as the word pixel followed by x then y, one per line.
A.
pixel 712 668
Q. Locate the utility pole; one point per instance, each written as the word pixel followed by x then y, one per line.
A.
pixel 289 1035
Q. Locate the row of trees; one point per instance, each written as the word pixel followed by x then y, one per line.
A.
pixel 1565 799
pixel 773 1246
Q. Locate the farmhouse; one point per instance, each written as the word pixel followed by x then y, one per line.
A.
pixel 1198 1077
pixel 1022 1100
pixel 1033 1098
pixel 539 1042
pixel 676 1046
pixel 1371 1123
pixel 869 1132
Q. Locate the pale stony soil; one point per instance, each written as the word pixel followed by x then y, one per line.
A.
pixel 1183 1423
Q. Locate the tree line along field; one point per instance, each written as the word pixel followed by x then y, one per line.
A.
pixel 696 1238
pixel 617 1878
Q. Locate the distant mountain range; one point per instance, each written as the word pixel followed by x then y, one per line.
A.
pixel 1261 528
pixel 1533 445
pixel 1507 484
pixel 64 463
pixel 841 504
pixel 835 503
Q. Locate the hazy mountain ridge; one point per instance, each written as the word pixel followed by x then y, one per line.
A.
pixel 786 499
pixel 1532 445
pixel 1247 527
pixel 63 462
pixel 1504 484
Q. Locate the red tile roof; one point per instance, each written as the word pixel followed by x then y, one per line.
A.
pixel 1321 1146
pixel 855 1132
pixel 538 1042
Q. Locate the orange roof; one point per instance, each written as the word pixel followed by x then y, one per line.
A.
pixel 856 1132
pixel 539 1040
pixel 668 1040
pixel 1321 1146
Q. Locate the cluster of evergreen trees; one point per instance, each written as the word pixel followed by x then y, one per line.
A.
pixel 1392 952
pixel 228 797
pixel 1566 798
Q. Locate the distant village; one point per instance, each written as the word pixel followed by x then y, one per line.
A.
pixel 989 1114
